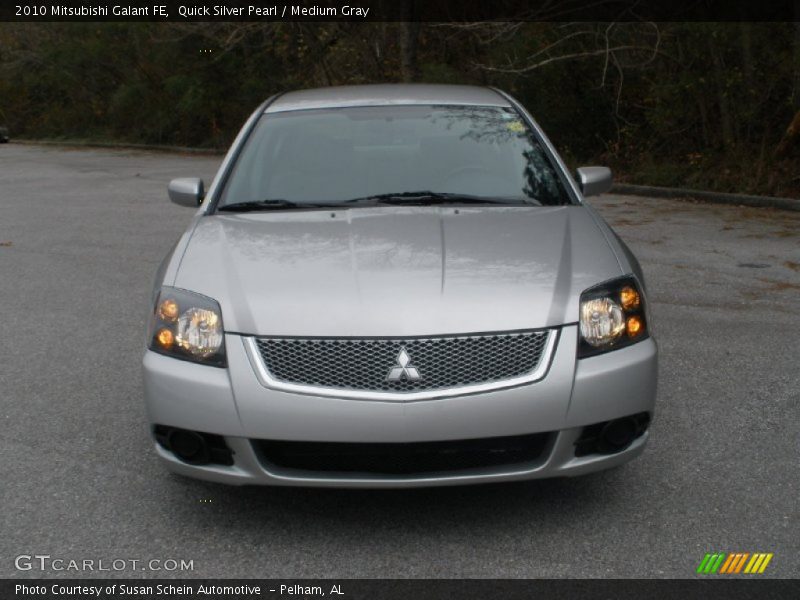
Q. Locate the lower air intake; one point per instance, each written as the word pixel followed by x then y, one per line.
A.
pixel 403 459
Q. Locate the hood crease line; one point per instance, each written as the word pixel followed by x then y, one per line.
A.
pixel 443 251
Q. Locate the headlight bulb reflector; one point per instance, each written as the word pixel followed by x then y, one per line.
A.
pixel 602 321
pixel 168 310
pixel 634 326
pixel 629 298
pixel 199 332
pixel 165 338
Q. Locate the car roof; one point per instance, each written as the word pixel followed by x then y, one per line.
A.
pixel 387 94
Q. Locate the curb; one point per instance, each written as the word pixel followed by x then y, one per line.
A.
pixel 119 146
pixel 705 196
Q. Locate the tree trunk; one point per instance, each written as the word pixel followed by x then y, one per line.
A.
pixel 796 87
pixel 746 39
pixel 726 120
pixel 701 105
pixel 789 138
pixel 409 38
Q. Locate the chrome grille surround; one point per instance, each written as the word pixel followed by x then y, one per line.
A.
pixel 358 367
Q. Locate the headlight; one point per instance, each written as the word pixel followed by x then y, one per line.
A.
pixel 612 316
pixel 188 326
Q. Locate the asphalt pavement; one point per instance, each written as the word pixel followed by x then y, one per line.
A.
pixel 81 235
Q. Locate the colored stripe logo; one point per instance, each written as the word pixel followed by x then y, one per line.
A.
pixel 734 563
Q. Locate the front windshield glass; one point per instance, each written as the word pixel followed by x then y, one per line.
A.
pixel 340 154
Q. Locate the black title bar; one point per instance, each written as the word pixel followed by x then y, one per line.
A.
pixel 398 589
pixel 401 10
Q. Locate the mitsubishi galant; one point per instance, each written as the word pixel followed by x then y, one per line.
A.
pixel 397 285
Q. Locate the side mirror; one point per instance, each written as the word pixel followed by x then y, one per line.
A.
pixel 594 180
pixel 187 191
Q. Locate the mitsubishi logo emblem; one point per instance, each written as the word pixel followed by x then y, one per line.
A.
pixel 403 368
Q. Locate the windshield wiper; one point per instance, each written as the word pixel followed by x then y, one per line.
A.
pixel 420 198
pixel 271 204
pixel 427 198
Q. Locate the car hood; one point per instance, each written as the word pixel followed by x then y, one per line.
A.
pixel 397 271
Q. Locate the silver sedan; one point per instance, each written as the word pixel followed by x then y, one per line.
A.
pixel 397 286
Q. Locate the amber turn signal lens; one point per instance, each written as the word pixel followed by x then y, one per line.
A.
pixel 168 311
pixel 165 338
pixel 634 326
pixel 629 298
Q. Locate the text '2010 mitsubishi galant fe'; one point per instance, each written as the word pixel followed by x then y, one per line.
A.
pixel 397 285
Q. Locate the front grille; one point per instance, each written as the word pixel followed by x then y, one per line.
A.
pixel 403 459
pixel 435 363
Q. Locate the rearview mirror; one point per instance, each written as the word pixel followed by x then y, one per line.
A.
pixel 594 180
pixel 187 191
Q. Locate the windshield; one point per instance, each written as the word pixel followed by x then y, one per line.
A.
pixel 356 154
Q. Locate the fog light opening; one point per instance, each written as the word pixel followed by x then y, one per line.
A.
pixel 619 434
pixel 610 437
pixel 189 446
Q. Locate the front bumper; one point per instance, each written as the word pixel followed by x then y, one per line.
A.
pixel 235 404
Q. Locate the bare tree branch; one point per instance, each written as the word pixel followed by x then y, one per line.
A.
pixel 554 59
